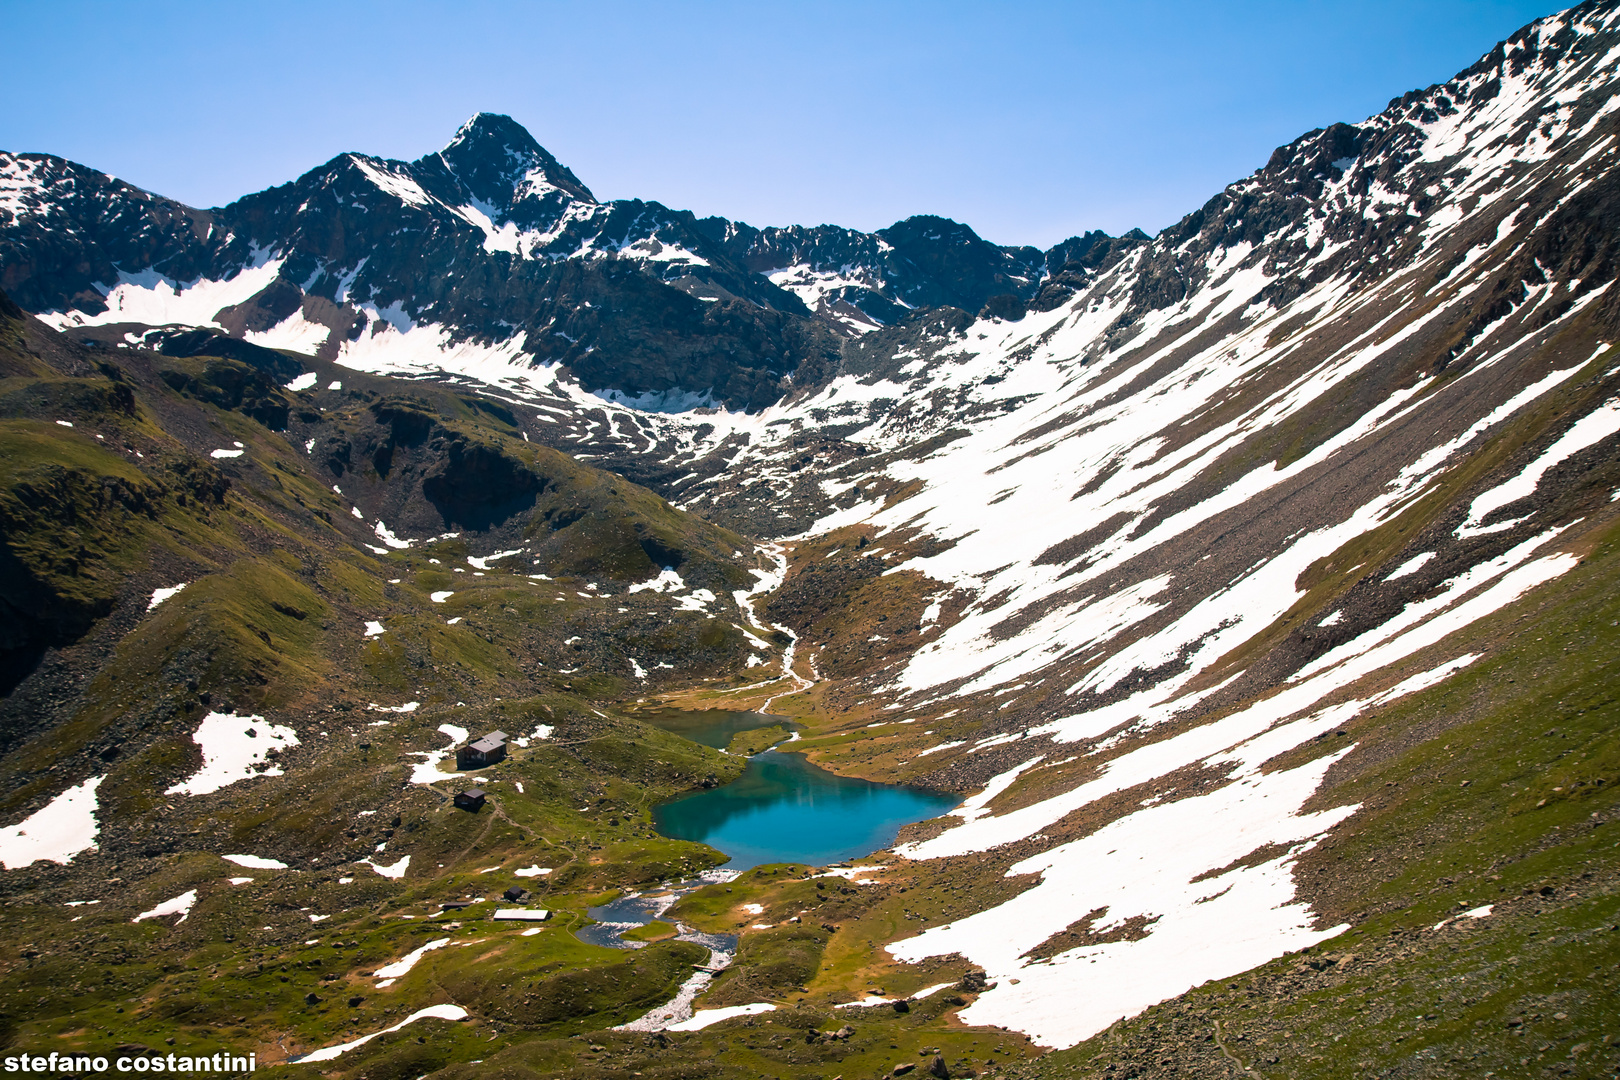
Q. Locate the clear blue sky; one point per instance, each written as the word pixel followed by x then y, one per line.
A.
pixel 1030 122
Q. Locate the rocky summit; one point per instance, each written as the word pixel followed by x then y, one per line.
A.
pixel 374 544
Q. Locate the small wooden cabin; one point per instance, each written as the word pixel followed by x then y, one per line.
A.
pixel 471 799
pixel 486 751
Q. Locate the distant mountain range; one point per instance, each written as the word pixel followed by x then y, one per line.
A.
pixel 493 240
pixel 1254 585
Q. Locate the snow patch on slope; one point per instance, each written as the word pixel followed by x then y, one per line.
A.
pixel 150 297
pixel 61 829
pixel 234 748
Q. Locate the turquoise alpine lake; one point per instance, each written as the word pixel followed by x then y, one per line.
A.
pixel 783 808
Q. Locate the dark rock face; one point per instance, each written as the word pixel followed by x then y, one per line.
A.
pixel 1005 306
pixel 74 227
pixel 876 278
pixel 203 343
pixel 231 384
pixel 617 328
pixel 498 162
pixel 476 486
pixel 958 267
pixel 1075 263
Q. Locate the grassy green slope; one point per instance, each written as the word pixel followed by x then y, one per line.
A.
pixel 109 489
pixel 1499 787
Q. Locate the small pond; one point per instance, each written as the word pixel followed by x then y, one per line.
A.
pixel 783 808
pixel 639 909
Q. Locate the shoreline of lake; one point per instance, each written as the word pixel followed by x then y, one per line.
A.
pixel 784 807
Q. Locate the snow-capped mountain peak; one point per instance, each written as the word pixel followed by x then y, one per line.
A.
pixel 501 164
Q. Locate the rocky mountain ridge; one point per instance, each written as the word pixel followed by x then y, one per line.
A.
pixel 629 295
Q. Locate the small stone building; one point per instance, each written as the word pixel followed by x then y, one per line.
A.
pixel 471 799
pixel 486 751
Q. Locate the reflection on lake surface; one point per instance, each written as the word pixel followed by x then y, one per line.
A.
pixel 711 727
pixel 785 809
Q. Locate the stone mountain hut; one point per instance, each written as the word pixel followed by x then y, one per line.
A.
pixel 486 751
